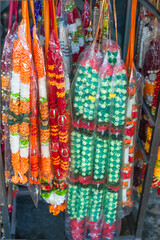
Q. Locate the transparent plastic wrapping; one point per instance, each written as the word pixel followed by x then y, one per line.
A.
pixel 65 44
pixel 45 160
pixel 19 107
pixel 6 76
pixel 111 49
pixel 86 16
pixel 114 125
pixel 133 111
pixel 34 151
pixel 147 28
pixel 23 112
pixel 55 194
pixel 81 192
pixel 75 30
pixel 151 69
pixel 96 147
pixel 139 171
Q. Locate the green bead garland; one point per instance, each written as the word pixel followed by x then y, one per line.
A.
pixel 110 203
pixel 95 204
pixel 118 104
pixel 76 143
pixel 100 159
pixel 90 94
pixel 104 101
pixel 85 90
pixel 82 202
pixel 86 163
pixel 72 200
pixel 112 57
pixel 114 162
pixel 79 84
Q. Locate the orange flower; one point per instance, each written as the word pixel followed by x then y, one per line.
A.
pixel 5 81
pixel 56 210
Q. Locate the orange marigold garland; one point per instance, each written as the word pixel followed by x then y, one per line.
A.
pixel 19 109
pixel 45 164
pixel 34 149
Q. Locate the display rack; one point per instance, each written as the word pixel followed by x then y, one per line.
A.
pixel 149 159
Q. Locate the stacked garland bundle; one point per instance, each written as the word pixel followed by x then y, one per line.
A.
pixel 150 70
pixel 75 30
pixel 134 102
pixel 6 75
pixel 84 90
pixel 96 155
pixel 64 44
pixel 20 106
pixel 58 126
pixel 145 35
pixel 85 16
pixel 112 98
pixel 45 161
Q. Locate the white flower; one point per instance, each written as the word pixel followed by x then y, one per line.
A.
pixel 15 82
pixel 42 87
pixel 25 90
pixel 55 199
pixel 45 151
pixel 14 142
pixel 24 152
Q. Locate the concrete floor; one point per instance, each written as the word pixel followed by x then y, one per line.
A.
pixel 37 223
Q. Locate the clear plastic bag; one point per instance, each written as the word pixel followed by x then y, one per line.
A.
pixel 86 16
pixel 65 44
pixel 6 76
pixel 81 193
pixel 150 70
pixel 133 111
pixel 75 30
pixel 57 84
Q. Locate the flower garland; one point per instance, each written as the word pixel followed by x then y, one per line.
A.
pixel 6 75
pixel 75 30
pixel 130 133
pixel 19 109
pixel 46 166
pixel 34 149
pixel 58 124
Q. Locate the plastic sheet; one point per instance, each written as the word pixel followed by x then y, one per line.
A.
pixel 133 111
pixel 85 16
pixel 74 29
pixel 150 70
pixel 83 92
pixel 147 29
pixel 96 147
pixel 65 44
pixel 6 75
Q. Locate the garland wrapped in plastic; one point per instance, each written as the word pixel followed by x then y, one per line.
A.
pixel 45 160
pixel 98 118
pixel 6 75
pixel 19 108
pixel 75 30
pixel 55 194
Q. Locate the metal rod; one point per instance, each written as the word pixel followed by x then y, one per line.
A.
pixel 149 172
pixel 149 6
pixel 127 29
pixel 148 112
pixel 145 155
